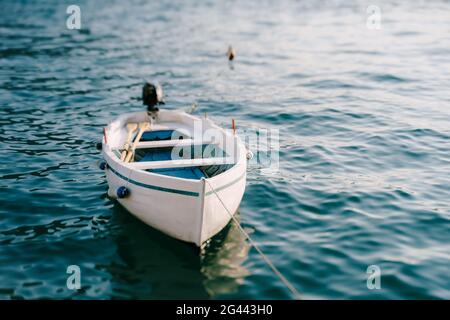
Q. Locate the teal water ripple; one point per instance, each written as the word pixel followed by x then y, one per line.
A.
pixel 364 147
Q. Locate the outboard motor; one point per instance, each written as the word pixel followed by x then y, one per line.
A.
pixel 151 96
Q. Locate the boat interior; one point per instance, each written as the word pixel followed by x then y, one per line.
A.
pixel 175 153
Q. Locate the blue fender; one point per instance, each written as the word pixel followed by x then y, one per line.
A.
pixel 103 165
pixel 122 192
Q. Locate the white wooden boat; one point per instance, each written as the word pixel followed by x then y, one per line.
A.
pixel 179 167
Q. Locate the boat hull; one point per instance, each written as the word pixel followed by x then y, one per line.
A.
pixel 193 214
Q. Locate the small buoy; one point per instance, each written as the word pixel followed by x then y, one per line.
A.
pixel 231 53
pixel 123 192
pixel 103 165
pixel 99 146
pixel 249 155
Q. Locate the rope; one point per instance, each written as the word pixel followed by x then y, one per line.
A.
pixel 275 270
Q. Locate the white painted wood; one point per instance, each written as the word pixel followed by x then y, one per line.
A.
pixel 171 143
pixel 181 163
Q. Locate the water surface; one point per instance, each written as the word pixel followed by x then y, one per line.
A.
pixel 364 129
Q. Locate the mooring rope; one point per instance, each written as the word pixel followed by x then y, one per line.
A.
pixel 283 279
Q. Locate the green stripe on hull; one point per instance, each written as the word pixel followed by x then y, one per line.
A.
pixel 153 187
pixel 177 191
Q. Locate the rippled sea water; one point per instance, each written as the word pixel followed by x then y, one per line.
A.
pixel 364 121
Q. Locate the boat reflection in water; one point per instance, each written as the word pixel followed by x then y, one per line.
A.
pixel 222 261
pixel 151 265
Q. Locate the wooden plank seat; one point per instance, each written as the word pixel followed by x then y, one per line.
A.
pixel 180 163
pixel 171 143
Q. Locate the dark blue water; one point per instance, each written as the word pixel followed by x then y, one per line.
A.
pixel 364 120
